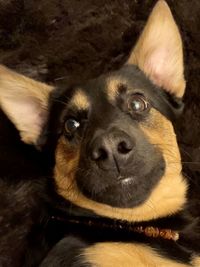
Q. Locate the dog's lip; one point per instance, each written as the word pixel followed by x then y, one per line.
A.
pixel 125 180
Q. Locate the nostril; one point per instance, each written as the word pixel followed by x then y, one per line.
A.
pixel 124 147
pixel 99 154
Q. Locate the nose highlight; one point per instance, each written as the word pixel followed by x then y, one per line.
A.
pixel 99 153
pixel 111 149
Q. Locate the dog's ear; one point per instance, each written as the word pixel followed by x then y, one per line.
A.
pixel 159 53
pixel 25 102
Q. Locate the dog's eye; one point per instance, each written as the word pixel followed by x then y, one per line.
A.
pixel 71 125
pixel 138 103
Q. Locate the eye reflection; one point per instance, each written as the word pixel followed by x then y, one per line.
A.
pixel 71 126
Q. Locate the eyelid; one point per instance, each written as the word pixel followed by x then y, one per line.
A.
pixel 140 94
pixel 136 93
pixel 76 115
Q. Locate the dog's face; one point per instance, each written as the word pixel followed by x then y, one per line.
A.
pixel 117 143
pixel 115 125
pixel 117 153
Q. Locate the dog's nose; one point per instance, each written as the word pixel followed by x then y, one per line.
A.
pixel 112 150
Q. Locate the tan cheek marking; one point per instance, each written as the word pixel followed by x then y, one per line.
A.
pixel 160 133
pixel 127 255
pixel 66 165
pixel 168 197
pixel 80 100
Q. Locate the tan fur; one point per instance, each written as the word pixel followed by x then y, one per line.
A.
pixel 196 262
pixel 112 86
pixel 126 255
pixel 159 52
pixel 159 131
pixel 80 100
pixel 168 196
pixel 14 86
pixel 66 163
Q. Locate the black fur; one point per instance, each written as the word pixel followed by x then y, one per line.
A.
pixel 23 193
pixel 66 253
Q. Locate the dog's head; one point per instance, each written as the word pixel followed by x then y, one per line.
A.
pixel 116 152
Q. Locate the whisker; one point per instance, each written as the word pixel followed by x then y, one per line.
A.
pixel 180 148
pixel 184 151
pixel 190 162
pixel 189 178
pixel 60 78
pixel 151 205
pixel 59 101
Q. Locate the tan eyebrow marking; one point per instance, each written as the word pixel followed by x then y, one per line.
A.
pixel 112 86
pixel 80 100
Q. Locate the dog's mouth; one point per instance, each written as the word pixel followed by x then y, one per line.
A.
pixel 125 180
pixel 121 193
pixel 126 190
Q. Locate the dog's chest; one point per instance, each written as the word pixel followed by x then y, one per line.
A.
pixel 127 255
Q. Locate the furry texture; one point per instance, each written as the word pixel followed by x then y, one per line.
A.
pixel 98 37
pixel 84 39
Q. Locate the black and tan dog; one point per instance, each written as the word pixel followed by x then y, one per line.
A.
pixel 117 163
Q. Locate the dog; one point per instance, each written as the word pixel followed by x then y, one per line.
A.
pixel 96 179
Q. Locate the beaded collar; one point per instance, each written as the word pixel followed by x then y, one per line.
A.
pixel 149 231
